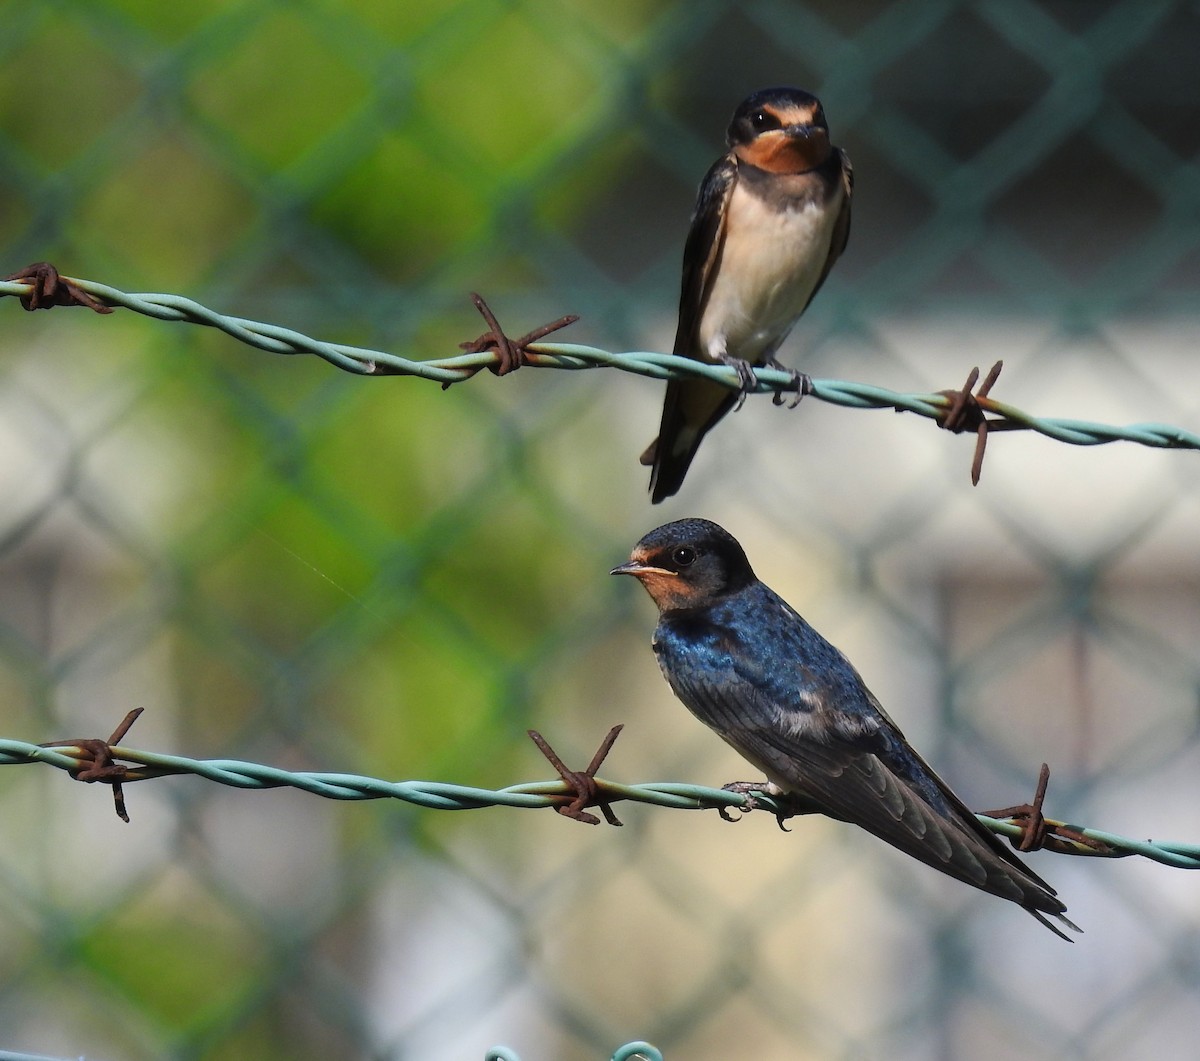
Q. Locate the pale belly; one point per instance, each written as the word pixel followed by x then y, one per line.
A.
pixel 764 281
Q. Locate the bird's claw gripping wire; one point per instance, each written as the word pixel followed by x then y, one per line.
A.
pixel 965 413
pixel 746 789
pixel 747 380
pixel 582 783
pixel 801 381
pixel 511 354
pixel 1038 831
pixel 48 288
pixel 785 807
pixel 96 763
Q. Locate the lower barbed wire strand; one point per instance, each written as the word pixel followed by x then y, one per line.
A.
pixel 439 795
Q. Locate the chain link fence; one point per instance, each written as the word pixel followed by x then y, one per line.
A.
pixel 295 566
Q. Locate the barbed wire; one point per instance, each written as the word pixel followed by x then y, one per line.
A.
pixel 13 1055
pixel 497 1053
pixel 572 356
pixel 436 795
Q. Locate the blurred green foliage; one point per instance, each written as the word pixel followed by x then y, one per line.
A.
pixel 284 563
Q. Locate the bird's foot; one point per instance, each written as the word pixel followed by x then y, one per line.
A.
pixel 746 789
pixel 582 784
pixel 800 381
pixel 747 380
pixel 48 288
pixel 511 354
pixel 750 790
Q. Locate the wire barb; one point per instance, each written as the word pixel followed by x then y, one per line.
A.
pixel 47 289
pixel 510 354
pixel 1041 833
pixel 583 784
pixel 965 413
pixel 96 761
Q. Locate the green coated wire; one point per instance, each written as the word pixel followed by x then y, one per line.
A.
pixel 638 1049
pixel 9 1055
pixel 623 1053
pixel 364 361
pixel 436 795
pixel 497 1053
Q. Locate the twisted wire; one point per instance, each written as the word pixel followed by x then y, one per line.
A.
pixel 437 795
pixel 572 356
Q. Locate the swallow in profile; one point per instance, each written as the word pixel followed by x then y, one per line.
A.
pixel 750 668
pixel 771 218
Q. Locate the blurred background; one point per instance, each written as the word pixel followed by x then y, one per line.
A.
pixel 291 565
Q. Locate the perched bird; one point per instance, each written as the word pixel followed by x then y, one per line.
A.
pixel 771 218
pixel 750 668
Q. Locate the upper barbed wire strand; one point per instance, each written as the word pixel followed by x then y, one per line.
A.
pixel 573 356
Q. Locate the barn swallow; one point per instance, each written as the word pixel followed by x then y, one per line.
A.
pixel 771 218
pixel 750 668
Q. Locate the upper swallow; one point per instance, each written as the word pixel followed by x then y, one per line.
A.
pixel 749 667
pixel 771 218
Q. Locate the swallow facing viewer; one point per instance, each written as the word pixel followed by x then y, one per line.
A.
pixel 771 218
pixel 750 668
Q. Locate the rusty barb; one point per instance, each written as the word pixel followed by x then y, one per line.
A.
pixel 96 761
pixel 511 354
pixel 965 412
pixel 1039 832
pixel 583 787
pixel 48 289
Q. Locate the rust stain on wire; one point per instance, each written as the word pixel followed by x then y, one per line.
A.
pixel 96 761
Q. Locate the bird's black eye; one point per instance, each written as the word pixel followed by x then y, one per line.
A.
pixel 684 556
pixel 763 120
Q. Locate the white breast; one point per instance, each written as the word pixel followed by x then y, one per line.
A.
pixel 766 274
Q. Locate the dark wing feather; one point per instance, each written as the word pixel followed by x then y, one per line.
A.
pixel 702 249
pixel 849 777
pixel 692 407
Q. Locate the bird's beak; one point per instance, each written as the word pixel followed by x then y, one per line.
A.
pixel 802 131
pixel 640 570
